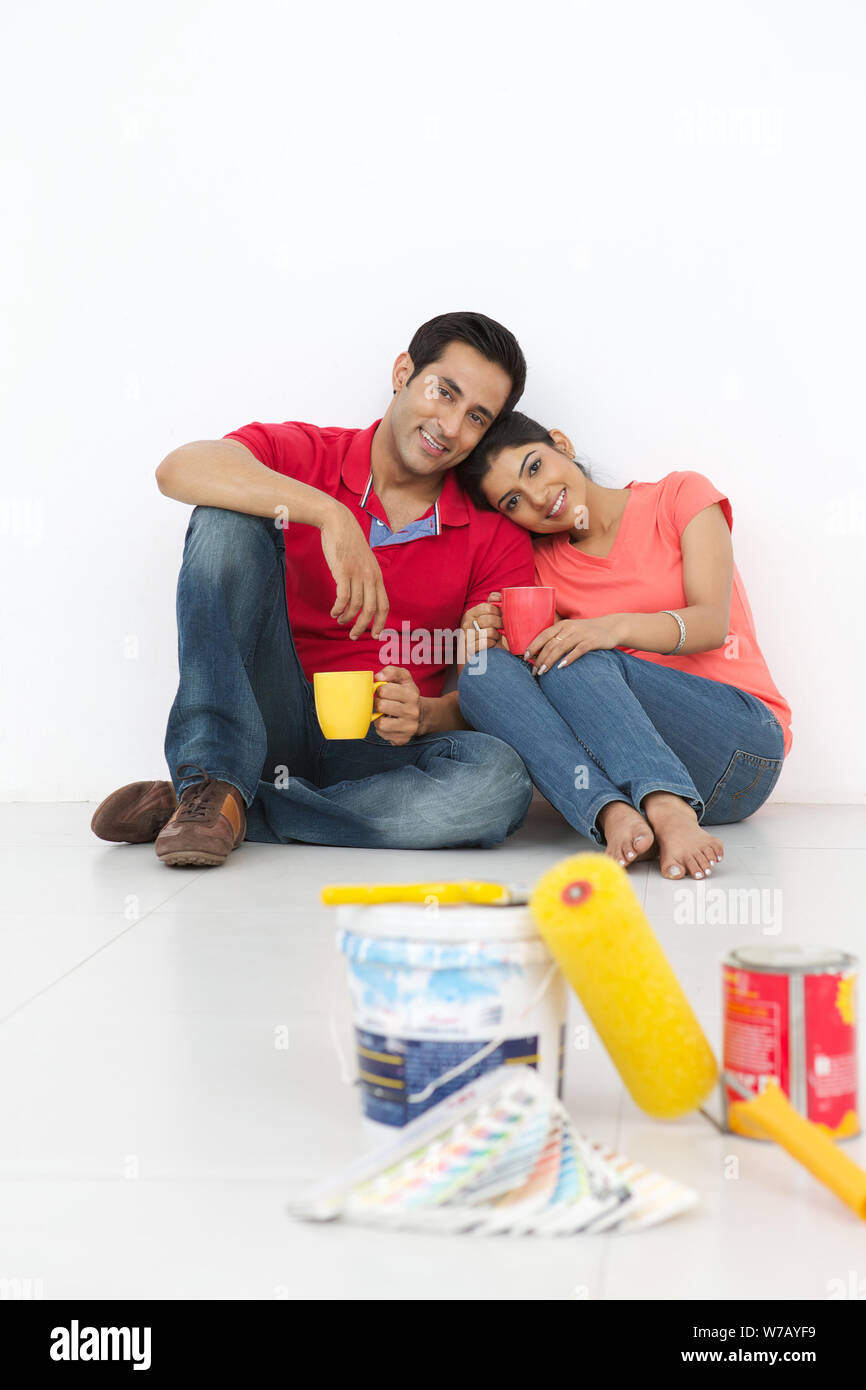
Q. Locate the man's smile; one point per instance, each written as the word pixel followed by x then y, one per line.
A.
pixel 430 445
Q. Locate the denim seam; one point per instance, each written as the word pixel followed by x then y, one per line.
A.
pixel 739 754
pixel 689 794
pixel 592 815
pixel 217 777
pixel 683 792
pixel 264 609
pixel 588 751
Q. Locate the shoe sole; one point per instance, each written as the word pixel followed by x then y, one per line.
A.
pixel 192 858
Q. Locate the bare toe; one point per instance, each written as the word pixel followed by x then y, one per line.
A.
pixel 706 859
pixel 628 837
pixel 687 850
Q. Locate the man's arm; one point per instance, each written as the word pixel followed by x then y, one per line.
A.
pixel 439 713
pixel 224 473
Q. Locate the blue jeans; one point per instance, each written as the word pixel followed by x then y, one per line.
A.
pixel 613 727
pixel 245 713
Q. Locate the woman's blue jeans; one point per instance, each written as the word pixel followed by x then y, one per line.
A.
pixel 245 713
pixel 613 727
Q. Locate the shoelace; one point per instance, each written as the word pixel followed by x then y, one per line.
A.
pixel 194 807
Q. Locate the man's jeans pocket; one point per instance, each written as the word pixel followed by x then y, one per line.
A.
pixel 743 787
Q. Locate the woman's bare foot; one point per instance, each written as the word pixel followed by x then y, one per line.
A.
pixel 684 848
pixel 628 837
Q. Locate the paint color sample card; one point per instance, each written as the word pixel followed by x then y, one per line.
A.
pixel 500 1157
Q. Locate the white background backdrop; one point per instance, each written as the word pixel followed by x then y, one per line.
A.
pixel 218 214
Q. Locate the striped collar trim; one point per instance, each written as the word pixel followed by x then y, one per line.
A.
pixel 437 527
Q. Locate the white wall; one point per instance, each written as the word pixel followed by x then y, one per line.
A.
pixel 225 213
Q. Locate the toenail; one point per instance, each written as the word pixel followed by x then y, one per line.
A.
pixel 630 854
pixel 699 874
pixel 622 861
pixel 675 869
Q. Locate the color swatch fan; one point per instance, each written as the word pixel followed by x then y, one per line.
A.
pixel 499 1157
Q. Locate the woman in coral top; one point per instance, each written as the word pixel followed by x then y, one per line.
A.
pixel 649 712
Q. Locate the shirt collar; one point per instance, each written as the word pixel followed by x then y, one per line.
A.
pixel 453 504
pixel 355 468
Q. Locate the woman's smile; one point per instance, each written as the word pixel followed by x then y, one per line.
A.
pixel 558 504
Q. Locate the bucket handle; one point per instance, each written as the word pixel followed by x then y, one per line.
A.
pixel 349 1080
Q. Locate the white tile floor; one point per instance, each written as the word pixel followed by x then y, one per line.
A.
pixel 152 1131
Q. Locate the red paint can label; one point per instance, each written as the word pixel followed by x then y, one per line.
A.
pixel 790 1018
pixel 831 1055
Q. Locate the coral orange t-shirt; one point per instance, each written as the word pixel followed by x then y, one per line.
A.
pixel 644 574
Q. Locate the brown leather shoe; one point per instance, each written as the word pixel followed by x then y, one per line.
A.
pixel 134 814
pixel 209 823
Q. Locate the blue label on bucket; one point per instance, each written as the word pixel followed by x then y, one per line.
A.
pixel 392 1070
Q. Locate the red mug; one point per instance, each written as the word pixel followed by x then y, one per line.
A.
pixel 525 613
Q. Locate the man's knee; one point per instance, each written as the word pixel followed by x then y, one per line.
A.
pixel 224 539
pixel 495 790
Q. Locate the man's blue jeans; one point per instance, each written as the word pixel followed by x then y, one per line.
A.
pixel 613 727
pixel 245 713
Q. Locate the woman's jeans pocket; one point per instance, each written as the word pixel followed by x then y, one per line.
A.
pixel 743 787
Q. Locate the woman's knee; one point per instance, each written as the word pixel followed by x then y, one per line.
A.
pixel 482 679
pixel 588 669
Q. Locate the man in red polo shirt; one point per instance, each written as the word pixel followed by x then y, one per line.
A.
pixel 324 549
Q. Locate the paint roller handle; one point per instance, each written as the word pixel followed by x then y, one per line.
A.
pixel 442 894
pixel 773 1115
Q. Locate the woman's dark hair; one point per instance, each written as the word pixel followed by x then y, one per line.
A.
pixel 507 432
pixel 485 335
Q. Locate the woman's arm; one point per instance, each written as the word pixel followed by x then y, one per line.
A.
pixel 708 576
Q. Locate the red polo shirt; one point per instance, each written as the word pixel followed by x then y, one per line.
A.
pixel 430 580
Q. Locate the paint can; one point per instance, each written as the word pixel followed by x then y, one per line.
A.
pixel 789 1016
pixel 440 995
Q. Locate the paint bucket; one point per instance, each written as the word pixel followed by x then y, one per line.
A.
pixel 789 1017
pixel 442 994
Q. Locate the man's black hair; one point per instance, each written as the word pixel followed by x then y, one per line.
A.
pixel 485 335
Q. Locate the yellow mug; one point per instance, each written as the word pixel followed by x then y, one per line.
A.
pixel 344 702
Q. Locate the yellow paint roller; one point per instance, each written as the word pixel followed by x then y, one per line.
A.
pixel 594 926
pixel 587 912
